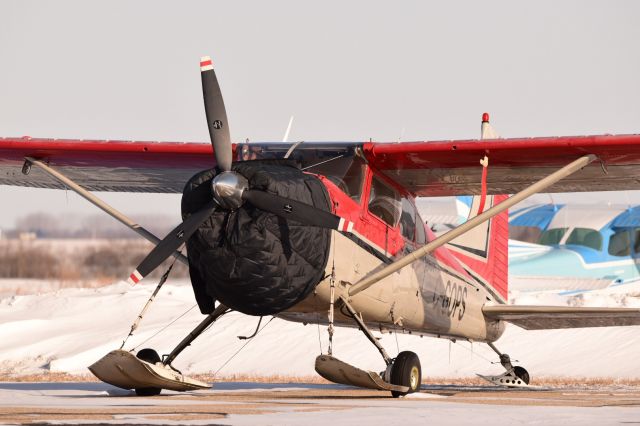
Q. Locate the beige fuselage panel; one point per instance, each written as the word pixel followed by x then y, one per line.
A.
pixel 423 298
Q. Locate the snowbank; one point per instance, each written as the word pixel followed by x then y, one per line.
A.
pixel 67 330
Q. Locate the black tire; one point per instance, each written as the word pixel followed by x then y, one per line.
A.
pixel 521 374
pixel 150 356
pixel 406 371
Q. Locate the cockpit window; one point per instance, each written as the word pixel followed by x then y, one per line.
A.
pixel 408 220
pixel 551 237
pixel 384 202
pixel 346 172
pixel 620 243
pixel 586 237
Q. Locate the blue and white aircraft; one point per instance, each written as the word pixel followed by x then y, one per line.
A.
pixel 573 248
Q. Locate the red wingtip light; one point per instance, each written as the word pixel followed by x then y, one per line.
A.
pixel 485 117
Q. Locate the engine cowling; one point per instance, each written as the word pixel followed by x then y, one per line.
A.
pixel 252 261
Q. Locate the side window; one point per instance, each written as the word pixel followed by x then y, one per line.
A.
pixel 586 237
pixel 408 220
pixel 620 243
pixel 551 237
pixel 384 202
pixel 636 241
pixel 347 173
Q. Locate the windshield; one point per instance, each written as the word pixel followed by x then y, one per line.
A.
pixel 586 237
pixel 346 172
pixel 551 237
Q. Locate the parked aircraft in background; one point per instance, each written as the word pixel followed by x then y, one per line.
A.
pixel 573 247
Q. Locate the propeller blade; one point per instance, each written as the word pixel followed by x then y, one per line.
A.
pixel 295 210
pixel 171 243
pixel 216 115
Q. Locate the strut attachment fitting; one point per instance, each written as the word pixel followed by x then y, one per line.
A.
pixel 26 167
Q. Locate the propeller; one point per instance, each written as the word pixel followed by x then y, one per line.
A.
pixel 172 242
pixel 229 188
pixel 291 209
pixel 216 115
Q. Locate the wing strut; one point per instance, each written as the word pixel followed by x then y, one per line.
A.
pixel 110 210
pixel 539 186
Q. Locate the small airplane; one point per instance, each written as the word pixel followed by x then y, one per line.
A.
pixel 574 248
pixel 329 232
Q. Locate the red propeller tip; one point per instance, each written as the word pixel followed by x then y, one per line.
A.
pixel 134 278
pixel 206 64
pixel 485 117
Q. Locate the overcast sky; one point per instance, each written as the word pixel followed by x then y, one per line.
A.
pixel 415 70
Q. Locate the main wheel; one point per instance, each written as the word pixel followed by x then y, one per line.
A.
pixel 152 357
pixel 406 371
pixel 521 374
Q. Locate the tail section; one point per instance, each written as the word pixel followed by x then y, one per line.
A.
pixel 485 248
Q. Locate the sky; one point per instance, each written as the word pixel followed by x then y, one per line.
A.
pixel 347 71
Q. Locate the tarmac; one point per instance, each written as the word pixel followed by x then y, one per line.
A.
pixel 309 404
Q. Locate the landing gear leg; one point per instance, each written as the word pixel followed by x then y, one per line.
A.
pixel 151 356
pixel 125 370
pixel 404 370
pixel 515 376
pixel 402 376
pixel 219 311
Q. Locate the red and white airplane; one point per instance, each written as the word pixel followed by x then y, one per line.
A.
pixel 329 232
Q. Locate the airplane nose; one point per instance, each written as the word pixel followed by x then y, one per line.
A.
pixel 251 260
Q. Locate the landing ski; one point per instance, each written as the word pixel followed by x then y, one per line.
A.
pixel 507 380
pixel 337 371
pixel 124 370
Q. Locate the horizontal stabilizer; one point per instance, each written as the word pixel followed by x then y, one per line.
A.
pixel 551 317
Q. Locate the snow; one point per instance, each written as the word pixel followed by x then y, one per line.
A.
pixel 69 329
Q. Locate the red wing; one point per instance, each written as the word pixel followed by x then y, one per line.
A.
pixel 121 166
pixel 423 168
pixel 453 167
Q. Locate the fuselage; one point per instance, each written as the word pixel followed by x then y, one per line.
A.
pixel 437 295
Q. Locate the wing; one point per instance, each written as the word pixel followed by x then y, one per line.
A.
pixel 132 166
pixel 123 166
pixel 453 167
pixel 550 317
pixel 423 168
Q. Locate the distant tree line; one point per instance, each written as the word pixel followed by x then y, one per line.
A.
pixel 104 261
pixel 98 226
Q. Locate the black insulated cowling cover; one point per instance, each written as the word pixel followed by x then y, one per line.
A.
pixel 250 260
